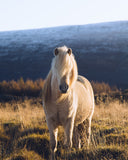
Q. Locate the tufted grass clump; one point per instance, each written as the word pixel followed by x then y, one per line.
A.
pixel 24 134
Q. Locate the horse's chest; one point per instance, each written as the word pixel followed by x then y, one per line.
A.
pixel 60 112
pixel 64 112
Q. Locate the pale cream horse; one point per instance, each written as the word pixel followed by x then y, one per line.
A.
pixel 68 98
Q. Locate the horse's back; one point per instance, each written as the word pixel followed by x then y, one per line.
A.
pixel 85 96
pixel 86 84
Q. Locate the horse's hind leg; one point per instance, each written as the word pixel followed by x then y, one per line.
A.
pixel 76 138
pixel 87 123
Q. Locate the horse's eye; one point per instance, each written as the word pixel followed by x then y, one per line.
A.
pixel 69 51
pixel 56 51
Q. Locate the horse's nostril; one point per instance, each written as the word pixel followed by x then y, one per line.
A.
pixel 60 87
pixel 63 88
pixel 67 86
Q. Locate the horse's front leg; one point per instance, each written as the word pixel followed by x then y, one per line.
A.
pixel 69 132
pixel 53 139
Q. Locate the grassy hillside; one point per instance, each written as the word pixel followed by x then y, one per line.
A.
pixel 10 90
pixel 24 134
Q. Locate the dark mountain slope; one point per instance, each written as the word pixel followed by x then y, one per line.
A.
pixel 101 51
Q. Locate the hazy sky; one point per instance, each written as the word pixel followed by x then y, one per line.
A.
pixel 28 14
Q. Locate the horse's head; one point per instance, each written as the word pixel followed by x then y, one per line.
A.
pixel 65 68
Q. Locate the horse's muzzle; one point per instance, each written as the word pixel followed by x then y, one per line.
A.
pixel 63 88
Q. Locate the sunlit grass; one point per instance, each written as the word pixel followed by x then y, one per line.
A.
pixel 24 132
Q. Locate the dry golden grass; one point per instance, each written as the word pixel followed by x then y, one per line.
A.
pixel 113 112
pixel 25 113
pixel 21 87
pixel 24 133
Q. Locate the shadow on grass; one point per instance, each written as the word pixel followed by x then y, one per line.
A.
pixel 37 139
pixel 18 158
pixel 37 144
pixel 101 153
pixel 14 138
pixel 33 130
pixel 116 139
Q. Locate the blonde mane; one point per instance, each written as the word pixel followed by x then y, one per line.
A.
pixel 74 72
pixel 65 64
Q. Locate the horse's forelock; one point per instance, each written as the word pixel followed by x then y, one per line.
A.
pixel 63 63
pixel 63 49
pixel 74 73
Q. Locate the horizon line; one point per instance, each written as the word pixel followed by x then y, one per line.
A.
pixel 11 30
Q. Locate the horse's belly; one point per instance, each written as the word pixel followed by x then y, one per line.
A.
pixel 84 105
pixel 81 115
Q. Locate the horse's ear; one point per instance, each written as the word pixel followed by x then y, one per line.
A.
pixel 56 51
pixel 69 51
